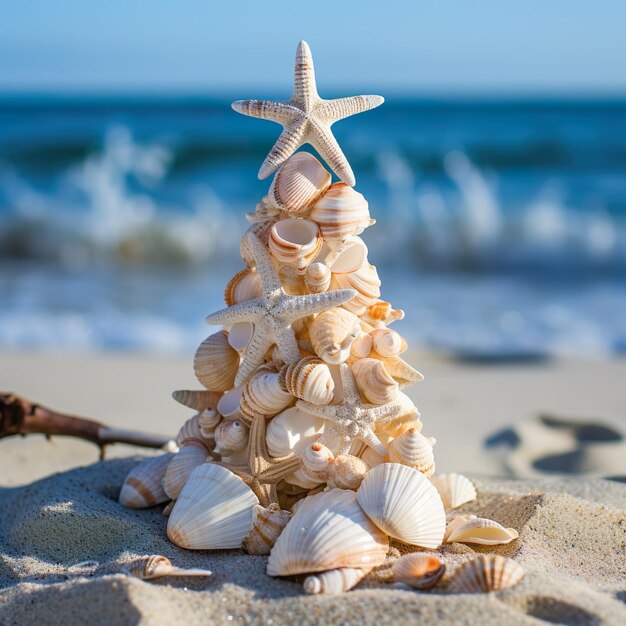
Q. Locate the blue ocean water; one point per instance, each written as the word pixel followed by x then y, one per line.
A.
pixel 501 225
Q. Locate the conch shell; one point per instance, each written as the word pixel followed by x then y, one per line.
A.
pixel 485 573
pixel 414 450
pixel 142 487
pixel 418 570
pixel 472 529
pixel 157 566
pixel 244 285
pixel 308 379
pixel 365 281
pixel 295 242
pixel 332 333
pixel 374 382
pixel 346 472
pixel 267 524
pixel 263 395
pixel 454 489
pixel 216 362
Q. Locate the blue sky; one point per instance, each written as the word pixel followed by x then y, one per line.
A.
pixel 416 46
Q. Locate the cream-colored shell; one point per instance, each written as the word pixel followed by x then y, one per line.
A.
pixel 197 400
pixel 228 406
pixel 381 313
pixel 485 573
pixel 240 334
pixel 267 524
pixel 263 395
pixel 308 379
pixel 346 472
pixel 157 566
pixel 387 342
pixel 402 372
pixel 191 432
pixel 316 461
pixel 334 581
pixel 291 431
pixel 361 346
pixel 230 437
pixel 347 257
pixel 472 529
pixel 143 487
pixel 332 333
pixel 216 362
pixel 244 285
pixel 374 382
pixel 317 277
pixel 190 456
pixel 295 242
pixel 418 570
pixel 414 450
pixel 208 421
pixel 454 489
pixel 365 281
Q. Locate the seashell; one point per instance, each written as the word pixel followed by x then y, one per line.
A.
pixel 316 461
pixel 295 242
pixel 308 379
pixel 167 509
pixel 365 281
pixel 142 487
pixel 335 581
pixel 332 333
pixel 348 257
pixel 485 573
pixel 346 472
pixel 371 457
pixel 190 456
pixel 213 511
pixel 230 437
pixel 228 406
pixel 266 209
pixel 329 530
pixel 244 285
pixel 208 421
pixel 267 524
pixel 472 529
pixel 240 334
pixel 374 382
pixel 400 370
pixel 381 313
pixel 418 570
pixel 361 346
pixel 404 504
pixel 454 489
pixel 387 342
pixel 291 431
pixel 292 281
pixel 157 566
pixel 341 212
pixel 197 400
pixel 317 277
pixel 263 395
pixel 414 450
pixel 190 432
pixel 298 184
pixel 216 362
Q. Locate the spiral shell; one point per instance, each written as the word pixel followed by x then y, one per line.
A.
pixel 216 362
pixel 472 529
pixel 197 400
pixel 374 382
pixel 190 432
pixel 208 421
pixel 308 379
pixel 334 581
pixel 400 370
pixel 267 524
pixel 381 313
pixel 387 342
pixel 332 333
pixel 361 346
pixel 316 461
pixel 143 487
pixel 291 431
pixel 157 566
pixel 317 277
pixel 414 450
pixel 365 281
pixel 346 472
pixel 454 489
pixel 244 285
pixel 485 573
pixel 263 395
pixel 230 437
pixel 418 570
pixel 295 242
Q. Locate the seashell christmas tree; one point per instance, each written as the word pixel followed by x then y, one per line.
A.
pixel 303 447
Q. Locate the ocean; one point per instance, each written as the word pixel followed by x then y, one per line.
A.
pixel 501 224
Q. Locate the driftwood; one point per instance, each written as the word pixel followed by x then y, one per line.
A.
pixel 19 416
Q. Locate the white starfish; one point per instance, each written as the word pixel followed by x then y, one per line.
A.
pixel 307 118
pixel 351 418
pixel 273 312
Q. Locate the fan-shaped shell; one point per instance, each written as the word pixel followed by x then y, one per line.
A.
pixel 197 400
pixel 216 362
pixel 213 511
pixel 230 437
pixel 414 450
pixel 374 382
pixel 291 431
pixel 472 529
pixel 485 573
pixel 332 333
pixel 317 277
pixel 244 285
pixel 404 504
pixel 267 524
pixel 418 570
pixel 365 281
pixel 143 487
pixel 335 581
pixel 263 395
pixel 328 531
pixel 387 342
pixel 346 472
pixel 454 489
pixel 190 456
pixel 295 242
pixel 308 379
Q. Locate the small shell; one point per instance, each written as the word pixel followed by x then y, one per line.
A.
pixel 361 346
pixel 472 529
pixel 291 431
pixel 418 570
pixel 485 573
pixel 244 285
pixel 267 524
pixel 346 472
pixel 228 406
pixel 365 281
pixel 454 489
pixel 316 461
pixel 240 334
pixel 190 432
pixel 295 242
pixel 213 511
pixel 157 566
pixel 401 371
pixel 266 209
pixel 297 185
pixel 190 456
pixel 417 519
pixel 208 421
pixel 143 487
pixel 216 362
pixel 374 382
pixel 261 230
pixel 381 313
pixel 230 437
pixel 317 277
pixel 414 450
pixel 263 395
pixel 387 342
pixel 332 333
pixel 197 400
pixel 308 379
pixel 347 257
pixel 334 581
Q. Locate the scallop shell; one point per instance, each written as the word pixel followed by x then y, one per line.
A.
pixel 404 504
pixel 472 529
pixel 297 185
pixel 374 382
pixel 387 342
pixel 244 285
pixel 341 212
pixel 400 370
pixel 216 362
pixel 346 472
pixel 414 450
pixel 157 566
pixel 316 461
pixel 197 400
pixel 418 570
pixel 485 573
pixel 228 406
pixel 230 437
pixel 291 431
pixel 381 313
pixel 267 524
pixel 332 333
pixel 213 511
pixel 190 456
pixel 317 277
pixel 142 487
pixel 335 581
pixel 295 242
pixel 365 281
pixel 308 379
pixel 328 531
pixel 190 432
pixel 263 395
pixel 454 489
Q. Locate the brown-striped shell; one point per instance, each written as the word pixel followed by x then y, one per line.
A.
pixel 295 242
pixel 485 573
pixel 157 566
pixel 244 285
pixel 308 379
pixel 267 524
pixel 143 487
pixel 366 283
pixel 198 400
pixel 263 395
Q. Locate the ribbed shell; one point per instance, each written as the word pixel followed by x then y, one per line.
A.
pixel 328 531
pixel 374 382
pixel 387 342
pixel 295 242
pixel 190 432
pixel 485 573
pixel 208 421
pixel 143 487
pixel 316 461
pixel 216 362
pixel 291 431
pixel 366 283
pixel 308 379
pixel 404 504
pixel 361 346
pixel 230 436
pixel 472 529
pixel 244 285
pixel 335 581
pixel 267 524
pixel 317 277
pixel 263 395
pixel 332 333
pixel 197 400
pixel 454 489
pixel 414 450
pixel 190 456
pixel 346 472
pixel 418 570
pixel 213 511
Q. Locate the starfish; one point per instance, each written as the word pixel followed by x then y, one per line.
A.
pixel 273 312
pixel 264 472
pixel 352 417
pixel 307 118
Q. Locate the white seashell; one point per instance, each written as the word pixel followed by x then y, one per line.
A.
pixel 329 530
pixel 361 346
pixel 472 529
pixel 404 504
pixel 308 379
pixel 341 213
pixel 197 400
pixel 348 257
pixel 157 566
pixel 295 242
pixel 374 382
pixel 213 511
pixel 297 185
pixel 208 421
pixel 346 472
pixel 230 437
pixel 414 450
pixel 387 342
pixel 143 487
pixel 263 395
pixel 316 461
pixel 228 406
pixel 454 489
pixel 381 313
pixel 291 431
pixel 191 432
pixel 216 362
pixel 401 371
pixel 365 281
pixel 418 570
pixel 240 334
pixel 267 524
pixel 485 573
pixel 317 277
pixel 244 285
pixel 332 333
pixel 190 456
pixel 335 581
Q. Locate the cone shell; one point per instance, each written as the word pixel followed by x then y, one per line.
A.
pixel 332 333
pixel 197 400
pixel 374 382
pixel 142 487
pixel 328 531
pixel 341 212
pixel 485 573
pixel 366 283
pixel 230 437
pixel 418 570
pixel 387 342
pixel 263 395
pixel 414 450
pixel 317 277
pixel 298 184
pixel 346 472
pixel 308 379
pixel 213 511
pixel 184 462
pixel 244 285
pixel 267 524
pixel 472 529
pixel 291 431
pixel 454 489
pixel 295 242
pixel 216 362
pixel 335 581
pixel 404 504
